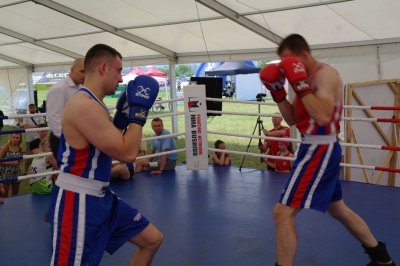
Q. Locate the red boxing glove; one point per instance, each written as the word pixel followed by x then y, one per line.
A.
pixel 296 74
pixel 273 80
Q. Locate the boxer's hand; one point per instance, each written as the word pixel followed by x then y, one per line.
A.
pixel 296 74
pixel 121 116
pixel 273 81
pixel 141 94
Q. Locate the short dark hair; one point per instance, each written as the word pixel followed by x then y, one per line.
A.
pixel 156 120
pixel 295 43
pixel 216 144
pixel 99 53
pixel 32 105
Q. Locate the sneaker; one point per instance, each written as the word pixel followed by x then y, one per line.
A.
pixel 379 255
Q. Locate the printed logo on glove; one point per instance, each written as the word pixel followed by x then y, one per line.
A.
pixel 141 113
pixel 297 68
pixel 302 85
pixel 143 92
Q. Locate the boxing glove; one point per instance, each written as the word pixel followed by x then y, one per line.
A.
pixel 295 72
pixel 141 94
pixel 121 115
pixel 273 81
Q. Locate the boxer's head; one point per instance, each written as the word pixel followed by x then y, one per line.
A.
pixel 103 66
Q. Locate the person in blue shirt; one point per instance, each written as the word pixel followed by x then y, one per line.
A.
pixel 160 163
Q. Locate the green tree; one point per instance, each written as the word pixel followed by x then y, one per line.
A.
pixel 263 63
pixel 183 70
pixel 165 70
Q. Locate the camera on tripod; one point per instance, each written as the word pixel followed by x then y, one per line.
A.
pixel 260 96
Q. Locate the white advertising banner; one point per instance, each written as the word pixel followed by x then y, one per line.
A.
pixel 196 127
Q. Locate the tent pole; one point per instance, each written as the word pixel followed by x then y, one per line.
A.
pixel 172 84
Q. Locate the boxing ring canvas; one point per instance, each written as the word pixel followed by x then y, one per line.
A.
pixel 386 93
pixel 219 216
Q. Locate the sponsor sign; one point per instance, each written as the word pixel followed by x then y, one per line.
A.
pixel 196 127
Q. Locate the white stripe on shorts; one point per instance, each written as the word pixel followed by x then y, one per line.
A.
pixel 55 224
pixel 80 238
pixel 296 174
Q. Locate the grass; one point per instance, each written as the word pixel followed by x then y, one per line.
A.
pixel 224 123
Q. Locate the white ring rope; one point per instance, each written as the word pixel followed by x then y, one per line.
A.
pixel 237 101
pixel 276 115
pixel 20 178
pixel 164 136
pixel 165 115
pixel 25 115
pixel 368 146
pixel 274 104
pixel 289 158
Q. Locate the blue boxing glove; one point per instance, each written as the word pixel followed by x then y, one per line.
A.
pixel 121 116
pixel 141 94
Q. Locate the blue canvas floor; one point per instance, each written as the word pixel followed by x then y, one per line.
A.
pixel 219 216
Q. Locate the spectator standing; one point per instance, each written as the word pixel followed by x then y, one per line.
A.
pixel 58 96
pixel 11 169
pixel 31 122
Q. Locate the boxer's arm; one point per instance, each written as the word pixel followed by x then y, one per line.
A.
pixel 320 104
pixel 287 111
pixel 85 121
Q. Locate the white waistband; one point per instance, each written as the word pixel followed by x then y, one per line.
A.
pixel 318 139
pixel 81 185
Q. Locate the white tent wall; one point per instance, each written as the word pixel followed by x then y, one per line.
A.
pixel 354 64
pixel 14 90
pixel 247 87
pixel 390 61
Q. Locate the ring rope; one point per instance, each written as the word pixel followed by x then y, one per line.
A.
pixel 165 115
pixel 383 120
pixel 274 104
pixel 22 116
pixel 368 146
pixel 24 157
pixel 14 131
pixel 20 178
pixel 238 101
pixel 165 136
pixel 378 168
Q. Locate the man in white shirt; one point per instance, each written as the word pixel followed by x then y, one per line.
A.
pixel 31 122
pixel 58 96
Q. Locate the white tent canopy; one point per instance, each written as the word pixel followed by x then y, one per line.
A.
pixel 359 37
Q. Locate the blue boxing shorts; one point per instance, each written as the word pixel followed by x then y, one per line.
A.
pixel 314 180
pixel 84 226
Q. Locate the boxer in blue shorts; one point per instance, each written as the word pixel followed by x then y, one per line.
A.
pixel 314 182
pixel 86 217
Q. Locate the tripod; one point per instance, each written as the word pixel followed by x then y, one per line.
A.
pixel 260 125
